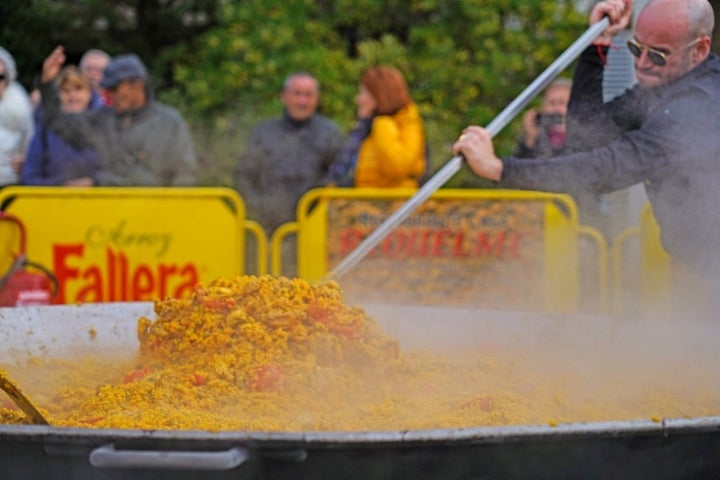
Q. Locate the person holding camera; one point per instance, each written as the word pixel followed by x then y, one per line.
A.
pixel 544 135
pixel 544 130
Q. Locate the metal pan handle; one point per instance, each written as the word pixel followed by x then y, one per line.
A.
pixel 108 457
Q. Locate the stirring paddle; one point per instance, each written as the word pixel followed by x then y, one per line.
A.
pixel 21 400
pixel 454 165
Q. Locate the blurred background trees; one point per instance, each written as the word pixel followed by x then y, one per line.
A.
pixel 222 62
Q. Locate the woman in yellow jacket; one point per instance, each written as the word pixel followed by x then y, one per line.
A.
pixel 392 152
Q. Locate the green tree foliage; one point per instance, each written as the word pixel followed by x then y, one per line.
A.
pixel 30 29
pixel 465 60
pixel 222 63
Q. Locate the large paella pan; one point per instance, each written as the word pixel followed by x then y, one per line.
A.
pixel 439 393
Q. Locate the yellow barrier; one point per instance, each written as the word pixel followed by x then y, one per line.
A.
pixel 597 269
pixel 118 244
pixel 276 246
pixel 262 245
pixel 655 262
pixel 654 269
pixel 10 244
pixel 620 284
pixel 490 248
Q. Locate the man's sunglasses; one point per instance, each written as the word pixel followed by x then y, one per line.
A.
pixel 2 77
pixel 657 57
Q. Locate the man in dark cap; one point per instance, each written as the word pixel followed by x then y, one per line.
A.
pixel 139 141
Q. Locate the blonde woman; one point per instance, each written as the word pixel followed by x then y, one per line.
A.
pixel 51 160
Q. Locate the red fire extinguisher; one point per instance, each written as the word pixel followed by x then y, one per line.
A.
pixel 25 282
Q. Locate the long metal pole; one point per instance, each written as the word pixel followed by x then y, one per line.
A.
pixel 454 165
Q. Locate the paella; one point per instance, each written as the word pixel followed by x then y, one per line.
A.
pixel 277 354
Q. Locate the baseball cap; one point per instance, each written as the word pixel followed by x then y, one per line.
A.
pixel 121 68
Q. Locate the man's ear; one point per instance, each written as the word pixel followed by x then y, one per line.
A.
pixel 701 50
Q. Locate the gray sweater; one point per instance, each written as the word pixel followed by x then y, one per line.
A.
pixel 283 160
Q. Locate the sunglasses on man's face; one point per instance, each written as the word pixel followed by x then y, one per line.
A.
pixel 2 77
pixel 657 57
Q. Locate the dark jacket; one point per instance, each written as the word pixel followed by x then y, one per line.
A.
pixel 665 137
pixel 283 159
pixel 53 161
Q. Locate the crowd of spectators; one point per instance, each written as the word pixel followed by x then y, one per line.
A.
pixel 99 124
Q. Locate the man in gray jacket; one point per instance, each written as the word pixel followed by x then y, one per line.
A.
pixel 139 141
pixel 288 155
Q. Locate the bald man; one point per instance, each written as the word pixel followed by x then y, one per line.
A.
pixel 662 132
